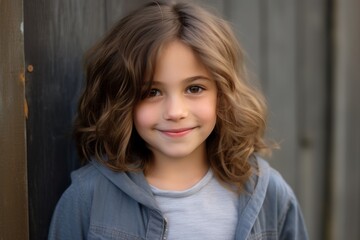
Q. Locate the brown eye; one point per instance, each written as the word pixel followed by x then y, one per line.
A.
pixel 194 89
pixel 153 93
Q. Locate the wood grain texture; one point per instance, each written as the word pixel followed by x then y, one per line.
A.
pixel 246 19
pixel 215 6
pixel 57 33
pixel 116 9
pixel 280 91
pixel 13 176
pixel 287 46
pixel 312 88
pixel 345 178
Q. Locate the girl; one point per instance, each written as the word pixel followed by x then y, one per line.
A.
pixel 170 128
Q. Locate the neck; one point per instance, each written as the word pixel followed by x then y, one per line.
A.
pixel 177 174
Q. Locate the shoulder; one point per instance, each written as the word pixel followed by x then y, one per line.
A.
pixel 83 183
pixel 278 194
pixel 70 219
pixel 79 204
pixel 84 174
pixel 88 177
pixel 275 183
pixel 280 206
pixel 277 186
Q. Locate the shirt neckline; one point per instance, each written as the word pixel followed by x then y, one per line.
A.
pixel 184 193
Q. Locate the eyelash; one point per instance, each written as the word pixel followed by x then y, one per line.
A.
pixel 198 88
pixel 190 90
pixel 153 93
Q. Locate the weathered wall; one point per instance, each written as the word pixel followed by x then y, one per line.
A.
pixel 13 177
pixel 287 45
pixel 345 175
pixel 313 110
pixel 57 33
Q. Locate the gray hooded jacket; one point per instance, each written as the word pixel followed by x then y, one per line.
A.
pixel 102 204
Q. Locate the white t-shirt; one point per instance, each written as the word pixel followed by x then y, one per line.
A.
pixel 207 210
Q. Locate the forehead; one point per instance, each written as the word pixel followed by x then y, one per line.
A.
pixel 177 61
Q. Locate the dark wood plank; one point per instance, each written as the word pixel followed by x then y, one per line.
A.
pixel 286 44
pixel 13 182
pixel 56 35
pixel 116 9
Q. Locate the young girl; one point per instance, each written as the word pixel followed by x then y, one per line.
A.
pixel 170 128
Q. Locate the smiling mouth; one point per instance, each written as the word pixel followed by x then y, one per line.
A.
pixel 176 132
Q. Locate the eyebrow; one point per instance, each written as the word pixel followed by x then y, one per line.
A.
pixel 189 79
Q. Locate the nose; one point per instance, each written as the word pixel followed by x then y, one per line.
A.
pixel 175 108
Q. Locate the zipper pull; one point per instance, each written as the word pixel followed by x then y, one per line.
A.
pixel 166 230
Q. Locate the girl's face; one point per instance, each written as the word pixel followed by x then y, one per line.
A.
pixel 179 112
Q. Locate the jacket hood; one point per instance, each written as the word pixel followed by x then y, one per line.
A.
pixel 251 202
pixel 135 185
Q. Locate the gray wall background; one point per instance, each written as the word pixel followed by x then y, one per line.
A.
pixel 304 55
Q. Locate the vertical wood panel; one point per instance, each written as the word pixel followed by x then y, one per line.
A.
pixel 246 20
pixel 286 44
pixel 113 10
pixel 281 84
pixel 215 6
pixel 116 9
pixel 13 180
pixel 313 131
pixel 56 35
pixel 345 183
pixel 268 32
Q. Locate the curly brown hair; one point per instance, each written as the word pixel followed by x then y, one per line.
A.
pixel 118 66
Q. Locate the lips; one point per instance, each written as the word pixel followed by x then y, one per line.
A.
pixel 176 132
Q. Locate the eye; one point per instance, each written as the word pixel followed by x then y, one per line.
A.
pixel 153 93
pixel 194 89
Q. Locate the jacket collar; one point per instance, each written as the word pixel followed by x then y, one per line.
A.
pixel 135 185
pixel 251 204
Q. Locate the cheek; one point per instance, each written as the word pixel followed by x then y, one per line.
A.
pixel 210 113
pixel 143 117
pixel 206 110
